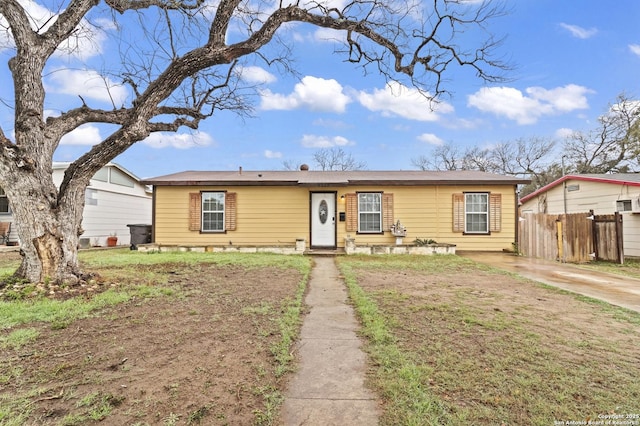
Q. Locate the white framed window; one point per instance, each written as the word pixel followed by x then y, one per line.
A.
pixel 119 178
pixel 370 212
pixel 476 213
pixel 102 175
pixel 213 211
pixel 90 197
pixel 4 202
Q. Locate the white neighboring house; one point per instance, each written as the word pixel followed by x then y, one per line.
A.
pixel 114 199
pixel 602 193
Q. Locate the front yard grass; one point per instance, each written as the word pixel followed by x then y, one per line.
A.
pixel 170 338
pixel 454 342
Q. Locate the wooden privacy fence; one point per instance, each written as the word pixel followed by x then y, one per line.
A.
pixel 575 237
pixel 607 234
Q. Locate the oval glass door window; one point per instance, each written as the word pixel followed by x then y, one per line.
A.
pixel 323 211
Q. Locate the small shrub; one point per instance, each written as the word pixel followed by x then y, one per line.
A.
pixel 424 242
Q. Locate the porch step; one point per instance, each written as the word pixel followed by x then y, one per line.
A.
pixel 324 252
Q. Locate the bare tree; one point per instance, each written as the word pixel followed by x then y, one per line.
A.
pixel 443 157
pixel 476 158
pixel 543 177
pixel 533 156
pixel 613 146
pixel 522 157
pixel 337 159
pixel 529 158
pixel 180 60
pixel 291 165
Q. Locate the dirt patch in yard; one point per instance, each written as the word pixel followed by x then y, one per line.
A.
pixel 497 349
pixel 198 356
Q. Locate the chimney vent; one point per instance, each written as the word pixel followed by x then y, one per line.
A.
pixel 240 170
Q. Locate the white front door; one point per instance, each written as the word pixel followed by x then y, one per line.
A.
pixel 323 219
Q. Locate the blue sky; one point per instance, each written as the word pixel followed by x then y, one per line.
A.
pixel 571 59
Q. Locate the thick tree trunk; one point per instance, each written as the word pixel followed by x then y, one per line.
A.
pixel 48 228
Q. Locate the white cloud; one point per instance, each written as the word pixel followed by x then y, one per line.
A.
pixel 563 133
pixel 106 24
pixel 83 135
pixel 315 94
pixel 88 84
pixel 86 41
pixel 272 154
pixel 298 38
pixel 579 32
pixel 331 124
pixel 257 75
pixel 327 35
pixel 179 140
pixel 563 99
pixel 401 127
pixel 315 141
pixel 506 101
pixel 398 100
pixel 319 35
pixel 40 17
pixel 430 138
pixel 631 106
pixel 635 49
pixel 527 109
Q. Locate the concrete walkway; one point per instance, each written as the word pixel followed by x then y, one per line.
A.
pixel 328 389
pixel 611 288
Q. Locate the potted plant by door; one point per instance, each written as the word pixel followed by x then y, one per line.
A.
pixel 112 240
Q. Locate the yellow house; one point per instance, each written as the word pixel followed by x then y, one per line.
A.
pixel 329 209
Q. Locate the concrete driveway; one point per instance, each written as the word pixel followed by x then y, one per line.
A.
pixel 615 289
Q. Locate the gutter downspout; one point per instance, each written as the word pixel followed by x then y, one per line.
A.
pixel 561 253
pixel 517 216
pixel 153 213
pixel 564 187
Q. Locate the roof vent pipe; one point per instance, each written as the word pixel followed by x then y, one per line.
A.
pixel 240 170
pixel 304 167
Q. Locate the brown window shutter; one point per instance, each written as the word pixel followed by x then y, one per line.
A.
pixel 195 207
pixel 387 211
pixel 458 212
pixel 230 211
pixel 495 212
pixel 351 211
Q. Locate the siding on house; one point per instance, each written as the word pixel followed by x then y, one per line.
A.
pixel 584 194
pixel 114 199
pixel 271 215
pixel 112 213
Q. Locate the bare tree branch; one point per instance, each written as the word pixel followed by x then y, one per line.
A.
pixel 442 158
pixel 523 157
pixel 122 6
pixel 611 147
pixel 337 159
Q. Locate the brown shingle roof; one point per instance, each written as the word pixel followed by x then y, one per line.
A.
pixel 334 178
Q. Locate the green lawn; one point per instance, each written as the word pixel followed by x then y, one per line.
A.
pixel 630 268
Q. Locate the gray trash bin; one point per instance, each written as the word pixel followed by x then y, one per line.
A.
pixel 140 234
